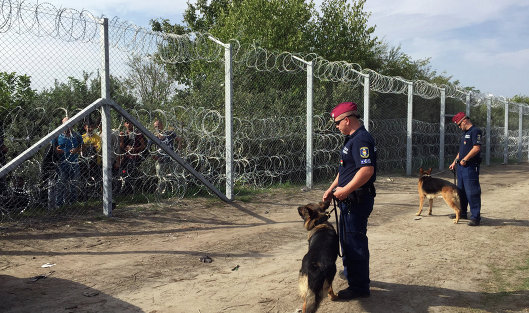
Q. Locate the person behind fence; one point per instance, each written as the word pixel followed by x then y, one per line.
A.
pixel 3 158
pixel 49 168
pixel 115 155
pixel 468 161
pixel 91 153
pixel 132 145
pixel 354 189
pixel 163 161
pixel 68 148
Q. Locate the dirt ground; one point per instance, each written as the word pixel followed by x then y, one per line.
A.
pixel 147 259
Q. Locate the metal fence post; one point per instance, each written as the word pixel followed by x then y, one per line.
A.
pixel 310 143
pixel 442 119
pixel 468 104
pixel 409 134
pixel 228 79
pixel 506 135
pixel 487 154
pixel 106 121
pixel 228 114
pixel 309 165
pixel 366 101
pixel 520 130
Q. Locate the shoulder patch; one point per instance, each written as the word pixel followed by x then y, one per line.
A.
pixel 364 152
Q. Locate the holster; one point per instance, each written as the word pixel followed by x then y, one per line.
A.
pixel 366 191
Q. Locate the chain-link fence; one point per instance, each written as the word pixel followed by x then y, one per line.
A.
pixel 256 121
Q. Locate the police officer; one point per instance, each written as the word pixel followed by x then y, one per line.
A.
pixel 356 194
pixel 468 158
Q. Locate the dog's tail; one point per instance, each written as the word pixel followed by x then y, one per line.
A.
pixel 313 286
pixel 312 302
pixel 461 195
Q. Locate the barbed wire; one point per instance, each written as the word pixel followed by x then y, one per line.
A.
pixel 266 151
pixel 44 19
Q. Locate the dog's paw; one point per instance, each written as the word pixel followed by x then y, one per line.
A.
pixel 455 221
pixel 333 297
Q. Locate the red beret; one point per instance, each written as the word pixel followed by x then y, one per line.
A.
pixel 458 117
pixel 342 108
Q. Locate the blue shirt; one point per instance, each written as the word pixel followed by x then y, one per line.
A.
pixel 358 151
pixel 66 143
pixel 168 138
pixel 470 138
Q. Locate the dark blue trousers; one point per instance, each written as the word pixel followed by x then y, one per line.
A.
pixel 468 182
pixel 353 238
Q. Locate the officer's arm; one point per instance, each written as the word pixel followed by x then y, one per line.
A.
pixel 328 193
pixel 361 177
pixel 475 150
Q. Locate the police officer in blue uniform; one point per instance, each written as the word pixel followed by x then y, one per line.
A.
pixel 468 159
pixel 354 189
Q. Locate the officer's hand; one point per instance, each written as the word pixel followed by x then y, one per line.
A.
pixel 327 195
pixel 340 193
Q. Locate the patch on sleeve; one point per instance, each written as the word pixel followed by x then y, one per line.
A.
pixel 364 152
pixel 478 139
pixel 365 161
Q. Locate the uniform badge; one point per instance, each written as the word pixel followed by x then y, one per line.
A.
pixel 341 162
pixel 364 152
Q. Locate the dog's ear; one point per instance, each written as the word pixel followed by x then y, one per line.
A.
pixel 429 171
pixel 421 171
pixel 313 213
pixel 324 205
pixel 301 210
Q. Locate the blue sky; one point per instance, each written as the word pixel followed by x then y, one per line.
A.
pixel 481 43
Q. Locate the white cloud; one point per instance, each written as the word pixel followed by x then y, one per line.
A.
pixel 137 11
pixel 482 43
pixel 507 60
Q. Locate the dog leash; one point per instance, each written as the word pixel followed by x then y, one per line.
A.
pixel 451 170
pixel 337 223
pixel 454 172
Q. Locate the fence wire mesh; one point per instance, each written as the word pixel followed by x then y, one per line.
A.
pixel 174 85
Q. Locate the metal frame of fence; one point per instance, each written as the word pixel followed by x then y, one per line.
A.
pixel 314 68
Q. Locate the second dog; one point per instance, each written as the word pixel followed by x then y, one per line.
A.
pixel 431 187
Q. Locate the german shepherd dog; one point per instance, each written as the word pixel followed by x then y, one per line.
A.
pixel 319 264
pixel 431 187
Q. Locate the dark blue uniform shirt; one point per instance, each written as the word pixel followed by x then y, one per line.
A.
pixel 470 138
pixel 358 151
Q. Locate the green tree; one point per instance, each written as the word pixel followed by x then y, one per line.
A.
pixel 341 33
pixel 15 95
pixel 338 31
pixel 150 82
pixel 520 99
pixel 276 25
pixel 15 90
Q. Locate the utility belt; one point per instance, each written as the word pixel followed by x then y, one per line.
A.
pixel 475 161
pixel 366 191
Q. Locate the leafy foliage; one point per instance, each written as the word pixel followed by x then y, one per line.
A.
pixel 15 91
